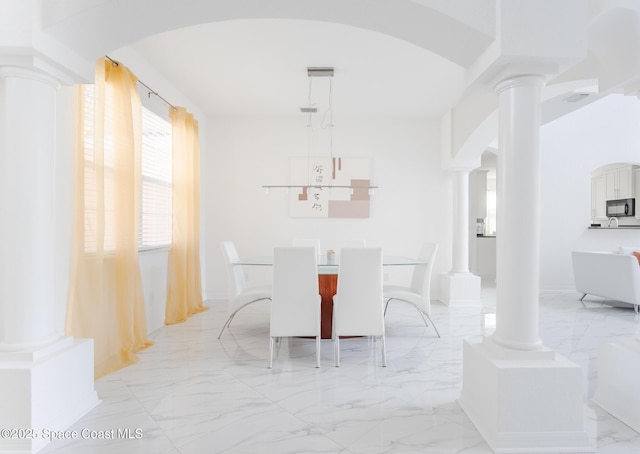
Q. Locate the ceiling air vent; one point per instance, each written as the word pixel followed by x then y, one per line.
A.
pixel 576 97
pixel 308 109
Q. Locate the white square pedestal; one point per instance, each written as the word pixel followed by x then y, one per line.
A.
pixel 47 389
pixel 524 402
pixel 460 289
pixel 618 370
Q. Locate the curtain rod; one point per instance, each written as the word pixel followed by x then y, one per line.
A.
pixel 151 91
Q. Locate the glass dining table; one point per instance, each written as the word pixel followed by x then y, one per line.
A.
pixel 328 281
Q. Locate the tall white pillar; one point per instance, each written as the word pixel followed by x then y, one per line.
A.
pixel 460 262
pixel 459 286
pixel 47 378
pixel 518 201
pixel 521 396
pixel 26 209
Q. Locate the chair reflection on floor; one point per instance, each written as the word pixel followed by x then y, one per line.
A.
pixel 358 303
pixel 240 295
pixel 295 306
pixel 418 294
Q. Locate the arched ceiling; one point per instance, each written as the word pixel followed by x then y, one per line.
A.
pixel 391 57
pixel 457 32
pixel 394 57
pixel 259 67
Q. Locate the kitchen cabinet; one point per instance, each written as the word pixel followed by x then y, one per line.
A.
pixel 485 266
pixel 636 179
pixel 619 183
pixel 598 198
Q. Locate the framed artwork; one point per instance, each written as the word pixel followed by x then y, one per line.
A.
pixel 319 198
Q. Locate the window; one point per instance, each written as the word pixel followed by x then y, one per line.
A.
pixel 155 200
pixel 155 206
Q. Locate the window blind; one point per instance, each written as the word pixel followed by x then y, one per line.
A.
pixel 155 202
pixel 155 216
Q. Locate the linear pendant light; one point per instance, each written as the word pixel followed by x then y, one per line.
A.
pixel 309 109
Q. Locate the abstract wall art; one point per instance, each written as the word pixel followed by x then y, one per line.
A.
pixel 329 201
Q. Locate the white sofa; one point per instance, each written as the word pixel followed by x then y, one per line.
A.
pixel 610 275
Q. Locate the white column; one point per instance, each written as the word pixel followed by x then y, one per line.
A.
pixel 47 378
pixel 27 103
pixel 518 242
pixel 460 259
pixel 459 287
pixel 521 396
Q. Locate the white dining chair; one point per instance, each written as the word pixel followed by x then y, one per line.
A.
pixel 358 304
pixel 295 306
pixel 300 242
pixel 240 295
pixel 419 293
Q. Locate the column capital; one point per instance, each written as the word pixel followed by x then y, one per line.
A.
pixel 464 166
pixel 460 169
pixel 524 80
pixel 28 73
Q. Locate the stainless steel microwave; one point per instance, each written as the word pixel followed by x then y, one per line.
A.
pixel 622 207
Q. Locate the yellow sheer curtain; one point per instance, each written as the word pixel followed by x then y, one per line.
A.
pixel 184 290
pixel 106 299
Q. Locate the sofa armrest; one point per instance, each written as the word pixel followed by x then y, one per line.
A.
pixel 608 275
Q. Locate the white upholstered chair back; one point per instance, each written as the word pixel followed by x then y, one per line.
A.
pixel 421 279
pixel 419 293
pixel 358 308
pixel 235 273
pixel 240 295
pixel 295 306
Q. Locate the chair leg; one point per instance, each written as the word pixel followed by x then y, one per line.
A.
pixel 336 340
pixel 582 299
pixel 425 316
pixel 432 324
pixel 384 351
pixel 317 351
pixel 270 352
pixel 226 324
pixel 422 314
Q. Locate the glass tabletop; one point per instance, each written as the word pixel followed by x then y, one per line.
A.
pixel 387 260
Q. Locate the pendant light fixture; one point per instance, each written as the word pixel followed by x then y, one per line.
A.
pixel 310 109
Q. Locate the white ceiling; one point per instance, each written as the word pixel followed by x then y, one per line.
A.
pixel 258 66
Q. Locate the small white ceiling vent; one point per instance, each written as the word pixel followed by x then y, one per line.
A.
pixel 576 97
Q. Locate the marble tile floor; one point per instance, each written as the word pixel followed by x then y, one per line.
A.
pixel 192 393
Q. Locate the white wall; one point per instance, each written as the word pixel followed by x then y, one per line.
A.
pixel 153 269
pixel 572 146
pixel 244 153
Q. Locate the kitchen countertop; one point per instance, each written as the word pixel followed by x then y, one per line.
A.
pixel 622 227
